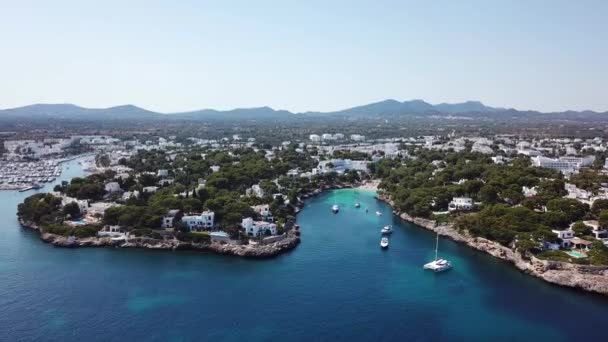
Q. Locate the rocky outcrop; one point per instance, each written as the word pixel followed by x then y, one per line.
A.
pixel 258 251
pixel 588 278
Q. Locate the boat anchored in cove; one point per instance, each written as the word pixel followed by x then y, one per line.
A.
pixel 335 209
pixel 438 265
pixel 384 242
pixel 387 229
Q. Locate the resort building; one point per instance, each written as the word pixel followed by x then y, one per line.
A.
pixel 258 228
pixel 203 221
pixel 566 165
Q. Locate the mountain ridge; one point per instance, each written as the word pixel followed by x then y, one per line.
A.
pixel 388 107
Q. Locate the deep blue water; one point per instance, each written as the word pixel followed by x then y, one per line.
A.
pixel 337 285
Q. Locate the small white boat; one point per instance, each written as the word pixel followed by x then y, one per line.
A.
pixel 387 229
pixel 357 205
pixel 384 242
pixel 378 213
pixel 335 208
pixel 438 265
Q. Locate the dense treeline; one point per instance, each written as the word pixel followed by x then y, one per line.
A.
pixel 428 182
pixel 425 185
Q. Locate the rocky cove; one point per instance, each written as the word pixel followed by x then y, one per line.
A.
pixel 583 277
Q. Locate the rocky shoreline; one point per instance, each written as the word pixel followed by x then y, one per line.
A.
pixel 583 277
pixel 291 240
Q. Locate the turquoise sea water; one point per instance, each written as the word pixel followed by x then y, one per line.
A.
pixel 337 285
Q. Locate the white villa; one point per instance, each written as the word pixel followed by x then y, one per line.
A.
pixel 258 228
pixel 203 221
pixel 565 237
pixel 460 203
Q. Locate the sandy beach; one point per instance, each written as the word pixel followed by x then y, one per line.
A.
pixel 370 185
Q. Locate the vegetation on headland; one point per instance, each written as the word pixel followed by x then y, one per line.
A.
pixel 424 186
pixel 195 187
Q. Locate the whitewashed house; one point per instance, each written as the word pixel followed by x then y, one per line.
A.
pixel 203 221
pixel 460 203
pixel 565 236
pixel 258 228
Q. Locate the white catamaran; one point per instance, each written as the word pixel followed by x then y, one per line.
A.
pixel 438 265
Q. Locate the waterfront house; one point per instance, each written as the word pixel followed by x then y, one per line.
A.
pixel 167 220
pixel 565 237
pixel 111 231
pixel 198 222
pixel 460 203
pixel 258 228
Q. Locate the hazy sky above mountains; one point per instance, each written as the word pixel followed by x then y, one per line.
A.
pixel 304 55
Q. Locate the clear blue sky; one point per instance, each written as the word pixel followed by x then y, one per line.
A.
pixel 304 55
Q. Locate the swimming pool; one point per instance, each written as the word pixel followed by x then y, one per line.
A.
pixel 576 254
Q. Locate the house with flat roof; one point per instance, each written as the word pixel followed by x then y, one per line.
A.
pixel 460 203
pixel 199 222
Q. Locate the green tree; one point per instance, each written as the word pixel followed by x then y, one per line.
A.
pixel 581 229
pixel 71 209
pixel 603 219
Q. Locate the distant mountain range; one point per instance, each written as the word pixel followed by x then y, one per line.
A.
pixel 387 108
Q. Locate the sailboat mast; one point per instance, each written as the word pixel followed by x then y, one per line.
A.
pixel 436 246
